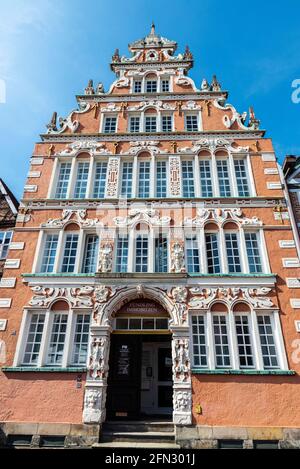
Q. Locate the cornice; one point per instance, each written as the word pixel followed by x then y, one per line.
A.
pixel 257 202
pixel 168 96
pixel 174 136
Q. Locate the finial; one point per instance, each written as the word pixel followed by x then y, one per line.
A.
pixel 52 124
pixel 152 32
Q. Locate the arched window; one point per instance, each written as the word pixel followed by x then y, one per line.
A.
pixel 205 173
pixel 212 244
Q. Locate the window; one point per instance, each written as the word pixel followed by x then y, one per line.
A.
pixel 205 178
pixel 187 179
pixel 267 340
pixel 151 86
pixel 233 255
pixel 243 335
pixel 110 125
pixel 192 255
pixel 63 180
pixel 134 124
pixel 81 180
pixel 57 339
pixel 165 85
pixel 166 123
pixel 161 179
pixel 150 124
pixel 81 339
pixel 253 253
pixel 126 186
pixel 90 254
pixel 221 341
pixel 141 253
pixel 191 123
pixel 241 178
pixel 161 254
pixel 230 444
pixel 69 258
pixel 5 239
pixel 199 341
pixel 145 323
pixel 122 254
pixel 100 180
pixel 144 179
pixel 137 86
pixel 34 339
pixel 212 253
pixel 223 177
pixel 49 253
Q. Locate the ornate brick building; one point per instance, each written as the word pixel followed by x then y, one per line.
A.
pixel 156 272
pixel 291 172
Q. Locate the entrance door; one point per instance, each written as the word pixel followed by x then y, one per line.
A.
pixel 156 380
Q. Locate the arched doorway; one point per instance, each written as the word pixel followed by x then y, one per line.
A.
pixel 140 363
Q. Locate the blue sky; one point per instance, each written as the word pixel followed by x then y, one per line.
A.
pixel 50 48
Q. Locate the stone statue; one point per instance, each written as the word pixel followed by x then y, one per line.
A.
pixel 204 85
pixel 116 57
pixel 90 88
pixel 187 54
pixel 177 263
pixel 100 88
pixel 215 85
pixel 52 124
pixel 105 261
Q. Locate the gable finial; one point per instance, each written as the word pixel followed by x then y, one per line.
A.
pixel 152 32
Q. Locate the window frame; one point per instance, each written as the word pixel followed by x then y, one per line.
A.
pixel 110 116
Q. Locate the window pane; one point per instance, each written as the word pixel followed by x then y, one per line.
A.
pixel 91 254
pixel 233 255
pixel 81 180
pixel 144 179
pixel 70 251
pixel 110 125
pixel 134 124
pixel 126 188
pixel 81 339
pixel 223 176
pixel 253 253
pixel 151 86
pixel 205 178
pixel 34 339
pixel 150 124
pixel 57 340
pixel 100 180
pixel 187 179
pixel 244 341
pixel 49 253
pixel 241 178
pixel 199 341
pixel 63 181
pixel 122 254
pixel 192 255
pixel 161 179
pixel 137 87
pixel 165 86
pixel 191 123
pixel 141 254
pixel 221 342
pixel 212 253
pixel 5 239
pixel 161 254
pixel 267 340
pixel 166 123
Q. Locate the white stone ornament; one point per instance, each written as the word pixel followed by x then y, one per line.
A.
pixel 105 258
pixel 98 362
pixel 220 215
pixel 67 216
pixel 177 258
pixel 138 215
pixel 91 146
pixel 78 297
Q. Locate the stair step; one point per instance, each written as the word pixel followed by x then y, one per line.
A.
pixel 136 444
pixel 138 436
pixel 138 426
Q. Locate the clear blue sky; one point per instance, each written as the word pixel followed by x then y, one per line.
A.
pixel 50 48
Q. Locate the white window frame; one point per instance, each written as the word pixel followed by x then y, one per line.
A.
pixel 103 122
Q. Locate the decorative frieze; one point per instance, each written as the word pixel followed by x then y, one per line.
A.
pixel 12 263
pixel 175 179
pixel 30 188
pixel 3 324
pixel 151 146
pixel 293 282
pixel 35 161
pixel 139 215
pixel 16 246
pixel 68 215
pixel 287 243
pixel 271 171
pixel 268 157
pixel 220 215
pixel 34 174
pixel 290 262
pixel 203 297
pixel 112 177
pixel 274 185
pixel 213 144
pixel 8 282
pixel 77 297
pixel 5 302
pixel 88 145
